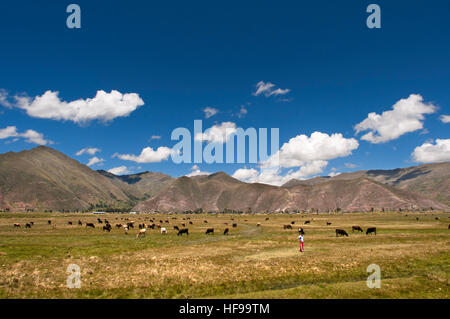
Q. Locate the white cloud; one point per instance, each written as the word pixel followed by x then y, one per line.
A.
pixel 195 171
pixel 4 99
pixel 318 147
pixel 242 112
pixel 88 150
pixel 274 176
pixel 121 170
pixel 156 137
pixel 406 116
pixel 350 165
pixel 210 111
pixel 95 160
pixel 333 174
pixel 104 106
pixel 445 118
pixel 433 153
pixel 9 131
pixel 305 156
pixel 268 89
pixel 217 133
pixel 30 136
pixel 148 155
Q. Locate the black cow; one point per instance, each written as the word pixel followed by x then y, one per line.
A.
pixel 69 223
pixel 176 228
pixel 80 223
pixel 118 225
pixel 307 222
pixel 49 222
pixel 234 225
pixel 301 231
pixel 267 218
pixel 357 228
pixel 287 226
pixel 226 231
pixel 328 223
pixel 371 230
pixel 206 222
pixel 183 231
pixel 292 223
pixel 191 223
pixel 209 231
pixel 27 225
pixel 341 232
pixel 107 227
pixel 130 225
pixel 90 225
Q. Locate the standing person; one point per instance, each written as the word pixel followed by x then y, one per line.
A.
pixel 300 238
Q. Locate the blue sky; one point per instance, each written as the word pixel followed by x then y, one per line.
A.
pixel 180 57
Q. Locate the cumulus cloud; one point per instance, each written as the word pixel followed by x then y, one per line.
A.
pixel 304 157
pixel 333 174
pixel 148 155
pixel 210 111
pixel 274 175
pixel 445 118
pixel 7 132
pixel 104 106
pixel 246 174
pixel 120 170
pixel 217 133
pixel 318 147
pixel 95 160
pixel 433 153
pixel 88 150
pixel 195 171
pixel 406 116
pixel 30 136
pixel 268 89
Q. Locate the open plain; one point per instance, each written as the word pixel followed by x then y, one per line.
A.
pixel 252 261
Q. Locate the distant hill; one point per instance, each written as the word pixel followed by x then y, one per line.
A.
pixel 141 185
pixel 47 179
pixel 43 178
pixel 220 191
pixel 429 180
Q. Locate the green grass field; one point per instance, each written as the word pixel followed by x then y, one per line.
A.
pixel 252 262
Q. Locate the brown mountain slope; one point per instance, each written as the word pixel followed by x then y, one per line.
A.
pixel 141 185
pixel 44 178
pixel 220 191
pixel 429 180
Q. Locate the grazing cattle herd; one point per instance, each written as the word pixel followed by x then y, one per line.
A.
pixel 126 225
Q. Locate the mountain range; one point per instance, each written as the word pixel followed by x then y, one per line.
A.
pixel 45 179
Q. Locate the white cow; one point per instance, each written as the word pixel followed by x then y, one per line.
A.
pixel 163 230
pixel 141 233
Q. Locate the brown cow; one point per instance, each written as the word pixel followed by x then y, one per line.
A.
pixel 209 231
pixel 341 232
pixel 226 231
pixel 357 228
